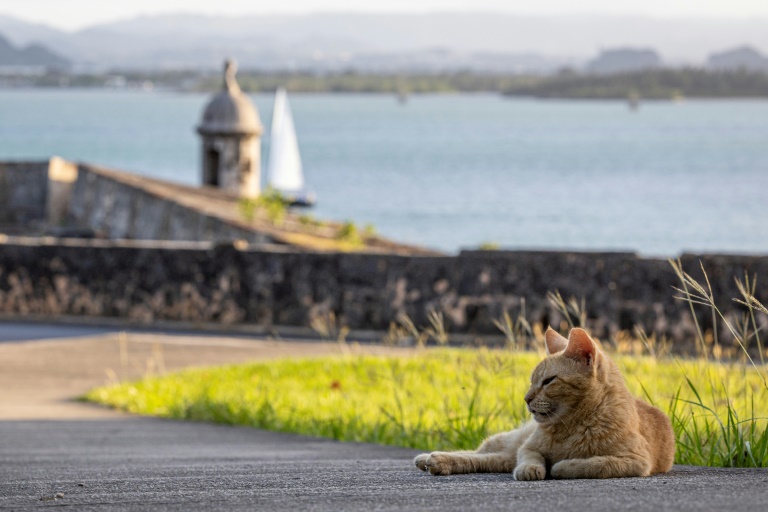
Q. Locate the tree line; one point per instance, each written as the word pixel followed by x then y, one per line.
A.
pixel 649 84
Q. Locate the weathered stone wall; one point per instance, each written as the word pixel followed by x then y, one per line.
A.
pixel 66 199
pixel 61 178
pixel 277 286
pixel 116 207
pixel 23 192
pixel 36 197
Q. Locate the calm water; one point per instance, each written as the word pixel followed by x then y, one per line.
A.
pixel 457 171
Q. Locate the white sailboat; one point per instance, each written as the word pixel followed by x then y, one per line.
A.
pixel 285 173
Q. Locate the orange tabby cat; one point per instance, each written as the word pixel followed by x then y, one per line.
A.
pixel 586 424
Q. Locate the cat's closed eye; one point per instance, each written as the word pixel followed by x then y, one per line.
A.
pixel 548 380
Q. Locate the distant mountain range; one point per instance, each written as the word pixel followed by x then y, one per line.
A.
pixel 478 41
pixel 620 60
pixel 33 56
pixel 739 58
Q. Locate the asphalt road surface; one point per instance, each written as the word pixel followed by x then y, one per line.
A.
pixel 12 331
pixel 57 452
pixel 144 463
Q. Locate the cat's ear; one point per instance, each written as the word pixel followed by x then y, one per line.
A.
pixel 581 347
pixel 554 342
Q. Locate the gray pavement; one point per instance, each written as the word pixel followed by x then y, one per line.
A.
pixel 56 452
pixel 151 464
pixel 15 331
pixel 33 331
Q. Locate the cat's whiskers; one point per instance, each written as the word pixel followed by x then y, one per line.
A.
pixel 560 418
pixel 555 414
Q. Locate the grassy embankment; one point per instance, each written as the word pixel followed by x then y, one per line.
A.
pixel 453 398
pixel 305 231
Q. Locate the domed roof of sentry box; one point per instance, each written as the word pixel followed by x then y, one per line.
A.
pixel 230 112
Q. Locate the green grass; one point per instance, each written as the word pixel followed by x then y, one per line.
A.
pixel 271 203
pixel 450 399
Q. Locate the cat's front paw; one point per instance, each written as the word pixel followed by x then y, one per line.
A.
pixel 568 468
pixel 437 463
pixel 530 472
pixel 421 461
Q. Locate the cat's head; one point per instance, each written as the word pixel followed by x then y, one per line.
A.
pixel 568 374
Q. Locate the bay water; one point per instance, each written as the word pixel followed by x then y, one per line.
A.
pixel 457 171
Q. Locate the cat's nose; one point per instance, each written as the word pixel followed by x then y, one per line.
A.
pixel 528 398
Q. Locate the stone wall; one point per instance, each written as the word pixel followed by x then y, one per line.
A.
pixel 39 197
pixel 122 206
pixel 23 192
pixel 65 199
pixel 274 286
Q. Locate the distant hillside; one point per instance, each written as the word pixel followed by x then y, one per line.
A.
pixel 34 55
pixel 622 60
pixel 744 57
pixel 23 33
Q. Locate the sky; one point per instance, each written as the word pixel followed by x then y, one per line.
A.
pixel 76 14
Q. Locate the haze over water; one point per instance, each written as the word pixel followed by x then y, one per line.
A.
pixel 459 170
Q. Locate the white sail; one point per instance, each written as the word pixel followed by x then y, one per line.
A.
pixel 285 173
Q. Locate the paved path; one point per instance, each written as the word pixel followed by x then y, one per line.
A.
pixel 154 464
pixel 11 332
pixel 43 367
pixel 100 460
